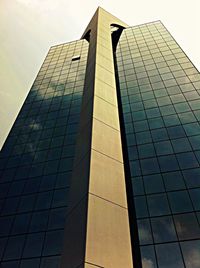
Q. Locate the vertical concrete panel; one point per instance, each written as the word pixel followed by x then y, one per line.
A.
pixel 102 187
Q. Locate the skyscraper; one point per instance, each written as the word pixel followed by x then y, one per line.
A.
pixel 101 168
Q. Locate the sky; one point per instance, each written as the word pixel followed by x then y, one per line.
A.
pixel 29 27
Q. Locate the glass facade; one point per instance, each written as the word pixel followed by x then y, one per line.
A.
pixel 36 162
pixel 159 107
pixel 160 102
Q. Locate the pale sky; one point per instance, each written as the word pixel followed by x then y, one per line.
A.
pixel 29 27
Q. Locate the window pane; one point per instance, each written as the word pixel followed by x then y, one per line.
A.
pixel 144 231
pixel 158 205
pixel 169 255
pixel 148 257
pixel 191 253
pixel 180 201
pixel 163 229
pixel 187 226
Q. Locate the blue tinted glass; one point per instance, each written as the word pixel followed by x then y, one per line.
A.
pixel 180 201
pixel 144 231
pixel 21 223
pixel 195 196
pixel 176 132
pixel 192 177
pixel 135 168
pixel 146 150
pixel 44 200
pixel 158 204
pixel 14 248
pixel 143 137
pixel 32 263
pixel 33 246
pixel 163 229
pixel 57 218
pixel 26 203
pixel 181 145
pixel 10 264
pixel 53 243
pixel 173 181
pixel 60 197
pixel 141 207
pixel 3 242
pixel 163 147
pixel 187 226
pixel 192 129
pixel 168 163
pixel 39 221
pixel 137 185
pixel 169 255
pixel 195 142
pixel 187 160
pixel 5 225
pixel 148 257
pixel 50 262
pixel 191 253
pixel 149 166
pixel 153 184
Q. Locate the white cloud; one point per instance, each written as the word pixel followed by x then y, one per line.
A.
pixel 192 258
pixel 147 263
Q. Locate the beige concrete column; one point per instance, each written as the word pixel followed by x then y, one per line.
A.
pixel 97 227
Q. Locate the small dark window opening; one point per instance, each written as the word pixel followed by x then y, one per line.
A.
pixel 76 58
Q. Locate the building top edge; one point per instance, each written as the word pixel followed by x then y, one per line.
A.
pixel 81 40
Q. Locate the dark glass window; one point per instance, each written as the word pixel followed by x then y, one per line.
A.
pixel 195 196
pixel 3 242
pixel 39 221
pixel 192 177
pixel 53 243
pixel 5 225
pixel 187 226
pixel 173 181
pixel 169 255
pixel 57 218
pixel 146 150
pixel 149 166
pixel 159 134
pixel 180 201
pixel 50 262
pixel 30 263
pixel 191 253
pixel 21 223
pixel 137 185
pixel 10 206
pixel 148 257
pixel 163 229
pixel 163 148
pixel 33 246
pixel 168 163
pixel 181 145
pixel 10 264
pixel 158 204
pixel 14 248
pixel 141 207
pixel 26 203
pixel 187 160
pixel 153 184
pixel 44 200
pixel 144 231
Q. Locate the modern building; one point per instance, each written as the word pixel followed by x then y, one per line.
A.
pixel 102 165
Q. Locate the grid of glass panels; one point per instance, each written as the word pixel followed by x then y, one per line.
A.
pixel 36 162
pixel 160 96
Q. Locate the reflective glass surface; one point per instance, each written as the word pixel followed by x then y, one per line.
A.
pixel 36 162
pixel 159 91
